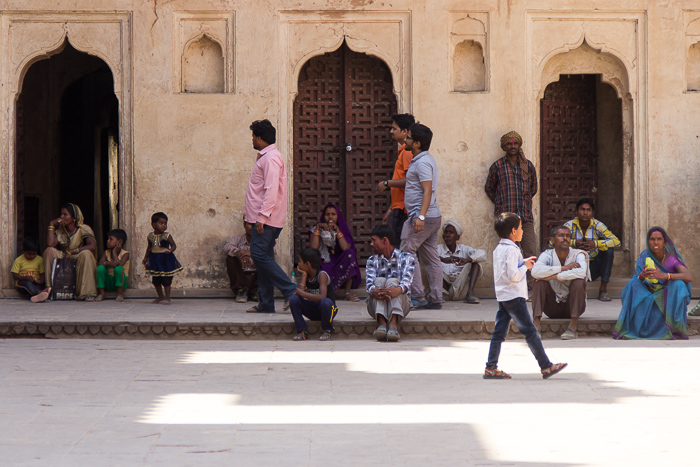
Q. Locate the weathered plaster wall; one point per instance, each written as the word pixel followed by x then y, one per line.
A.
pixel 192 153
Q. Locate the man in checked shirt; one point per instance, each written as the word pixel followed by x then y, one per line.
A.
pixel 511 185
pixel 591 235
pixel 389 275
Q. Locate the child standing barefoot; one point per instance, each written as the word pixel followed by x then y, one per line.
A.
pixel 159 261
pixel 509 274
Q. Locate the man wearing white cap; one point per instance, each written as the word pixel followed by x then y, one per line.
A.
pixel 460 264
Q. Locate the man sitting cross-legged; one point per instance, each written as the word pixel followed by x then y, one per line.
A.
pixel 560 275
pixel 389 275
pixel 460 264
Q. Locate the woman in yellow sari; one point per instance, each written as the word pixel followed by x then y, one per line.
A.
pixel 69 237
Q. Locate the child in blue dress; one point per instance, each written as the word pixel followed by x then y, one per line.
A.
pixel 159 261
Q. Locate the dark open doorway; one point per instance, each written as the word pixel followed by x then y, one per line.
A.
pixel 67 144
pixel 581 152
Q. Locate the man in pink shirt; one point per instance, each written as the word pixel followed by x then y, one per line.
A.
pixel 266 208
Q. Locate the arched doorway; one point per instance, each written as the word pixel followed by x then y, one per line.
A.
pixel 581 153
pixel 67 143
pixel 342 116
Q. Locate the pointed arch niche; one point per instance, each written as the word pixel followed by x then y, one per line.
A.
pixel 613 47
pixel 692 52
pixel 204 53
pixel 31 37
pixel 469 63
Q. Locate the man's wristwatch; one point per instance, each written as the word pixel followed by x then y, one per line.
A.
pixel 386 183
pixel 421 217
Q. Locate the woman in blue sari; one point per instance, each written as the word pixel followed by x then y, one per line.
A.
pixel 655 301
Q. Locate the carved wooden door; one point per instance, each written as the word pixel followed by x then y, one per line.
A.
pixel 568 149
pixel 342 146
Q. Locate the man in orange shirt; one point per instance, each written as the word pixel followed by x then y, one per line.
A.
pixel 396 214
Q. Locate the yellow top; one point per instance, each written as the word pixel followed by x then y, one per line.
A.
pixel 125 268
pixel 24 267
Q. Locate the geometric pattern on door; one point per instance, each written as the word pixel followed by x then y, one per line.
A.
pixel 568 149
pixel 344 99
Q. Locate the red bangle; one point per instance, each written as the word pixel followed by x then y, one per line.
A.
pixel 340 235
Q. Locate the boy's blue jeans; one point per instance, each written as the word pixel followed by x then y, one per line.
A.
pixel 270 275
pixel 323 311
pixel 516 310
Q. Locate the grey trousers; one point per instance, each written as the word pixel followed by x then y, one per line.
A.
pixel 545 301
pixel 400 305
pixel 423 245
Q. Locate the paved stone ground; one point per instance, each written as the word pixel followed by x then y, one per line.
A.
pixel 98 402
pixel 225 319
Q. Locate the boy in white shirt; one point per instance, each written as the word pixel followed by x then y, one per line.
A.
pixel 509 275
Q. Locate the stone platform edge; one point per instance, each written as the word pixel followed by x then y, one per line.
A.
pixel 473 330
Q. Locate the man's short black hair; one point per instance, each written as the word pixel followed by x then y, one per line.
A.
pixel 30 244
pixel 158 216
pixel 311 256
pixel 553 232
pixel 505 223
pixel 583 201
pixel 404 121
pixel 119 234
pixel 264 130
pixel 422 134
pixel 384 231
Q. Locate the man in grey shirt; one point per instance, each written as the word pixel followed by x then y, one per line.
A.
pixel 420 231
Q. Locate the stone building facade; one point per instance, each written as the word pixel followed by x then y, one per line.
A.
pixel 127 108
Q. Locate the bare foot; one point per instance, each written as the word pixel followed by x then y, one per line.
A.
pixel 120 298
pixel 100 297
pixel 165 302
pixel 158 300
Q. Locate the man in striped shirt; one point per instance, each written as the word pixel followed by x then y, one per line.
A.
pixel 389 275
pixel 591 235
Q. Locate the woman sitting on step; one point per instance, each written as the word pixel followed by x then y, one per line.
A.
pixel 655 301
pixel 332 237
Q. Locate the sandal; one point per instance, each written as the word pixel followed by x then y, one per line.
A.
pixel 553 370
pixel 326 336
pixel 495 374
pixel 302 336
pixel 471 299
pixel 257 309
pixel 695 311
pixel 380 332
pixel 351 297
pixel 90 298
pixel 604 297
pixel 286 305
pixel 392 335
pixel 569 334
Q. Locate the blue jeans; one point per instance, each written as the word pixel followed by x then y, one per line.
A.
pixel 601 265
pixel 516 310
pixel 270 275
pixel 29 288
pixel 323 311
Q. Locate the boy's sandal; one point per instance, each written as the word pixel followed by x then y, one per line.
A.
pixel 495 374
pixel 553 370
pixel 604 297
pixel 302 336
pixel 326 336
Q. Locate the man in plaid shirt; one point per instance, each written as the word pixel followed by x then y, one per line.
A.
pixel 389 275
pixel 511 185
